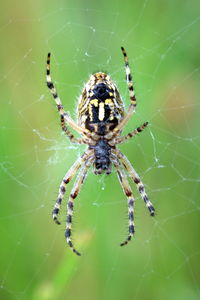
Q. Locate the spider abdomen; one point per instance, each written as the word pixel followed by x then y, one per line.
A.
pixel 100 106
pixel 102 163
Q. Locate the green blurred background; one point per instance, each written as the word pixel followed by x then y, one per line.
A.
pixel 162 41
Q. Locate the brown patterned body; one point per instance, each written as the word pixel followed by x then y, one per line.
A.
pixel 100 107
pixel 101 119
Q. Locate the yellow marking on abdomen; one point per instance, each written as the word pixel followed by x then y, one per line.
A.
pixel 101 111
pixel 96 104
pixel 111 105
pixel 108 101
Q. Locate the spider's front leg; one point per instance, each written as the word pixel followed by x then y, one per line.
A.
pixel 70 206
pixel 128 192
pixel 67 178
pixel 135 177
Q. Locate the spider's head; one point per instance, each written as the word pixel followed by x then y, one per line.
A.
pixel 102 167
pixel 102 163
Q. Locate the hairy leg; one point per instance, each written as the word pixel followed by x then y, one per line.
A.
pixel 132 97
pixel 63 115
pixel 70 206
pixel 131 134
pixel 135 177
pixel 128 192
pixel 67 178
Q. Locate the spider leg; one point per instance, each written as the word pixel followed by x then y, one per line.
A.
pixel 124 138
pixel 72 138
pixel 70 206
pixel 132 105
pixel 128 192
pixel 135 177
pixel 63 115
pixel 67 178
pixel 129 81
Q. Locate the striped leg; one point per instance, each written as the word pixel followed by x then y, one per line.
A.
pixel 131 134
pixel 129 79
pixel 128 192
pixel 68 132
pixel 132 105
pixel 126 163
pixel 64 116
pixel 68 177
pixel 70 206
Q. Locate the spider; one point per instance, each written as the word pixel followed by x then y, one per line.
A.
pixel 101 119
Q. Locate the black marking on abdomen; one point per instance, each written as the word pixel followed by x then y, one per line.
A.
pixel 101 92
pixel 101 129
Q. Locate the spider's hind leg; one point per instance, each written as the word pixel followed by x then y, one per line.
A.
pixel 64 117
pixel 132 97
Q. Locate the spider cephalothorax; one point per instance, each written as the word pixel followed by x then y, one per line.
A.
pixel 102 153
pixel 101 119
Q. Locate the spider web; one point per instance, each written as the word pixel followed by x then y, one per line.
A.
pixel 83 37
